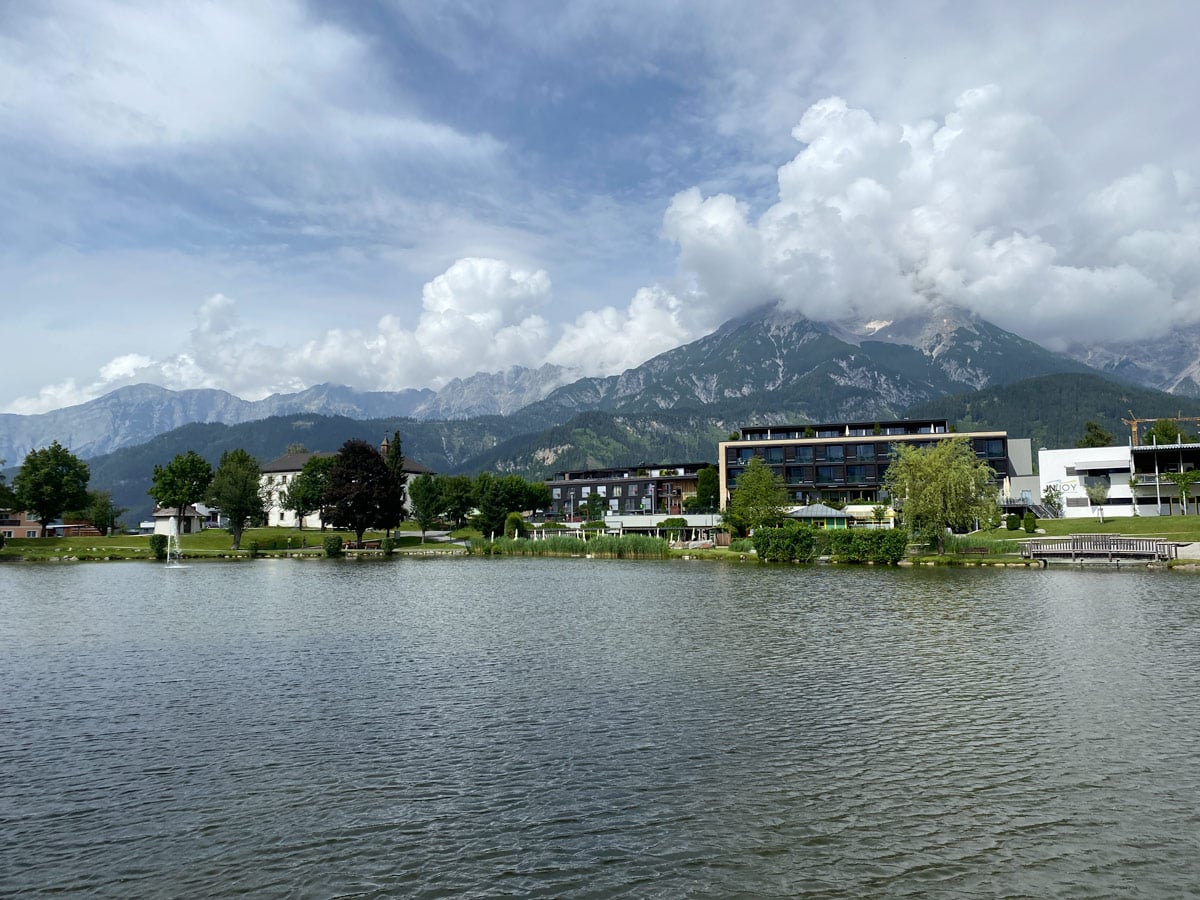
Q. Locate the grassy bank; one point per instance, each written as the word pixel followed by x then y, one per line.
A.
pixel 213 543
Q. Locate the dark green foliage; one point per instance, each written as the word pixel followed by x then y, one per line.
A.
pixel 50 482
pixel 854 545
pixel 158 546
pixel 758 500
pixel 1012 522
pixel 359 494
pixel 181 482
pixel 1030 523
pixel 252 549
pixel 457 494
pixel 387 546
pixel 235 492
pixel 628 546
pixel 594 506
pixel 514 525
pixel 789 542
pixel 1053 410
pixel 673 526
pixel 745 545
pixel 496 497
pixel 306 493
pixel 394 511
pixel 1094 436
pixel 708 489
pixel 102 512
pixel 333 545
pixel 1167 431
pixel 426 501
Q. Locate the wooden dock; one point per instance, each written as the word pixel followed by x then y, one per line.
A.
pixel 1113 548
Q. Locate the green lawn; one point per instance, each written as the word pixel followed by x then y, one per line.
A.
pixel 212 543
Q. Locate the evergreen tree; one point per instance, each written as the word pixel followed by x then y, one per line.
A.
pixel 51 481
pixel 394 457
pixel 1094 435
pixel 235 491
pixel 708 489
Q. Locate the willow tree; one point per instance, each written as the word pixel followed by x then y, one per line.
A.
pixel 941 486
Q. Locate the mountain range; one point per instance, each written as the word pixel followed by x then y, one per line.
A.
pixel 765 366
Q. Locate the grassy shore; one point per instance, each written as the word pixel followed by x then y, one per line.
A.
pixel 213 543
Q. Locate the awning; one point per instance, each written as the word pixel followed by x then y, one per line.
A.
pixel 1093 465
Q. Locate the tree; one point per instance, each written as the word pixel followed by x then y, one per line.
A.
pixel 358 494
pixel 182 482
pixel 708 489
pixel 426 502
pixel 758 500
pixel 939 487
pixel 1052 499
pixel 7 498
pixel 235 491
pixel 1097 494
pixel 1133 496
pixel 306 494
pixel 496 497
pixel 537 496
pixel 1094 435
pixel 50 482
pixel 1183 482
pixel 595 506
pixel 1167 431
pixel 394 457
pixel 458 497
pixel 101 512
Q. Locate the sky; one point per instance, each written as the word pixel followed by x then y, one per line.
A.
pixel 259 197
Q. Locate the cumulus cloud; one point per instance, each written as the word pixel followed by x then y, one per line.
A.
pixel 478 315
pixel 879 219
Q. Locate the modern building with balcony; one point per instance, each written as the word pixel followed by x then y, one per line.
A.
pixel 1118 481
pixel 846 461
pixel 651 490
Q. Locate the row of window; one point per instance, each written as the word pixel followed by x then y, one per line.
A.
pixel 985 448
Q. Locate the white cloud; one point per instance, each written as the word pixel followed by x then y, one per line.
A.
pixel 877 219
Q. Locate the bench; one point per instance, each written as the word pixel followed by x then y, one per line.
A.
pixel 974 551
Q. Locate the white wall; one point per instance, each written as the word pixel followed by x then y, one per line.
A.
pixel 1069 469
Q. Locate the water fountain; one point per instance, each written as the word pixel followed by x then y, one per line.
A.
pixel 173 552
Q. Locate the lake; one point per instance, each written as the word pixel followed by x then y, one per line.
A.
pixel 579 728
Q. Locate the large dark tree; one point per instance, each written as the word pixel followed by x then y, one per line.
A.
pixel 181 482
pixel 236 492
pixel 358 494
pixel 1167 431
pixel 50 482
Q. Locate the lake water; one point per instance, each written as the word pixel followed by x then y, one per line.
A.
pixel 576 728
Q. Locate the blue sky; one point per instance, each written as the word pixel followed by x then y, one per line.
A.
pixel 262 196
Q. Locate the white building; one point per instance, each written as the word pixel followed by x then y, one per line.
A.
pixel 1129 480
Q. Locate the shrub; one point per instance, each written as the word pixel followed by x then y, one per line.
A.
pixel 1 540
pixel 158 545
pixel 333 545
pixel 514 525
pixel 1030 523
pixel 791 541
pixel 388 546
pixel 868 546
pixel 741 546
pixel 1012 522
pixel 252 548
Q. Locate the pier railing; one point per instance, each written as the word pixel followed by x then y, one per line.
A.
pixel 1113 547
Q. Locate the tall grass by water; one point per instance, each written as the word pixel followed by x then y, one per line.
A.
pixel 627 546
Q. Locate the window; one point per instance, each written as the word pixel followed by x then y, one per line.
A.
pixel 616 490
pixel 774 454
pixel 830 475
pixel 799 474
pixel 633 490
pixel 31 533
pixel 804 454
pixel 835 453
pixel 8 534
pixel 859 474
pixel 556 493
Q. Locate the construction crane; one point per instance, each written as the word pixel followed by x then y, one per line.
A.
pixel 1133 422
